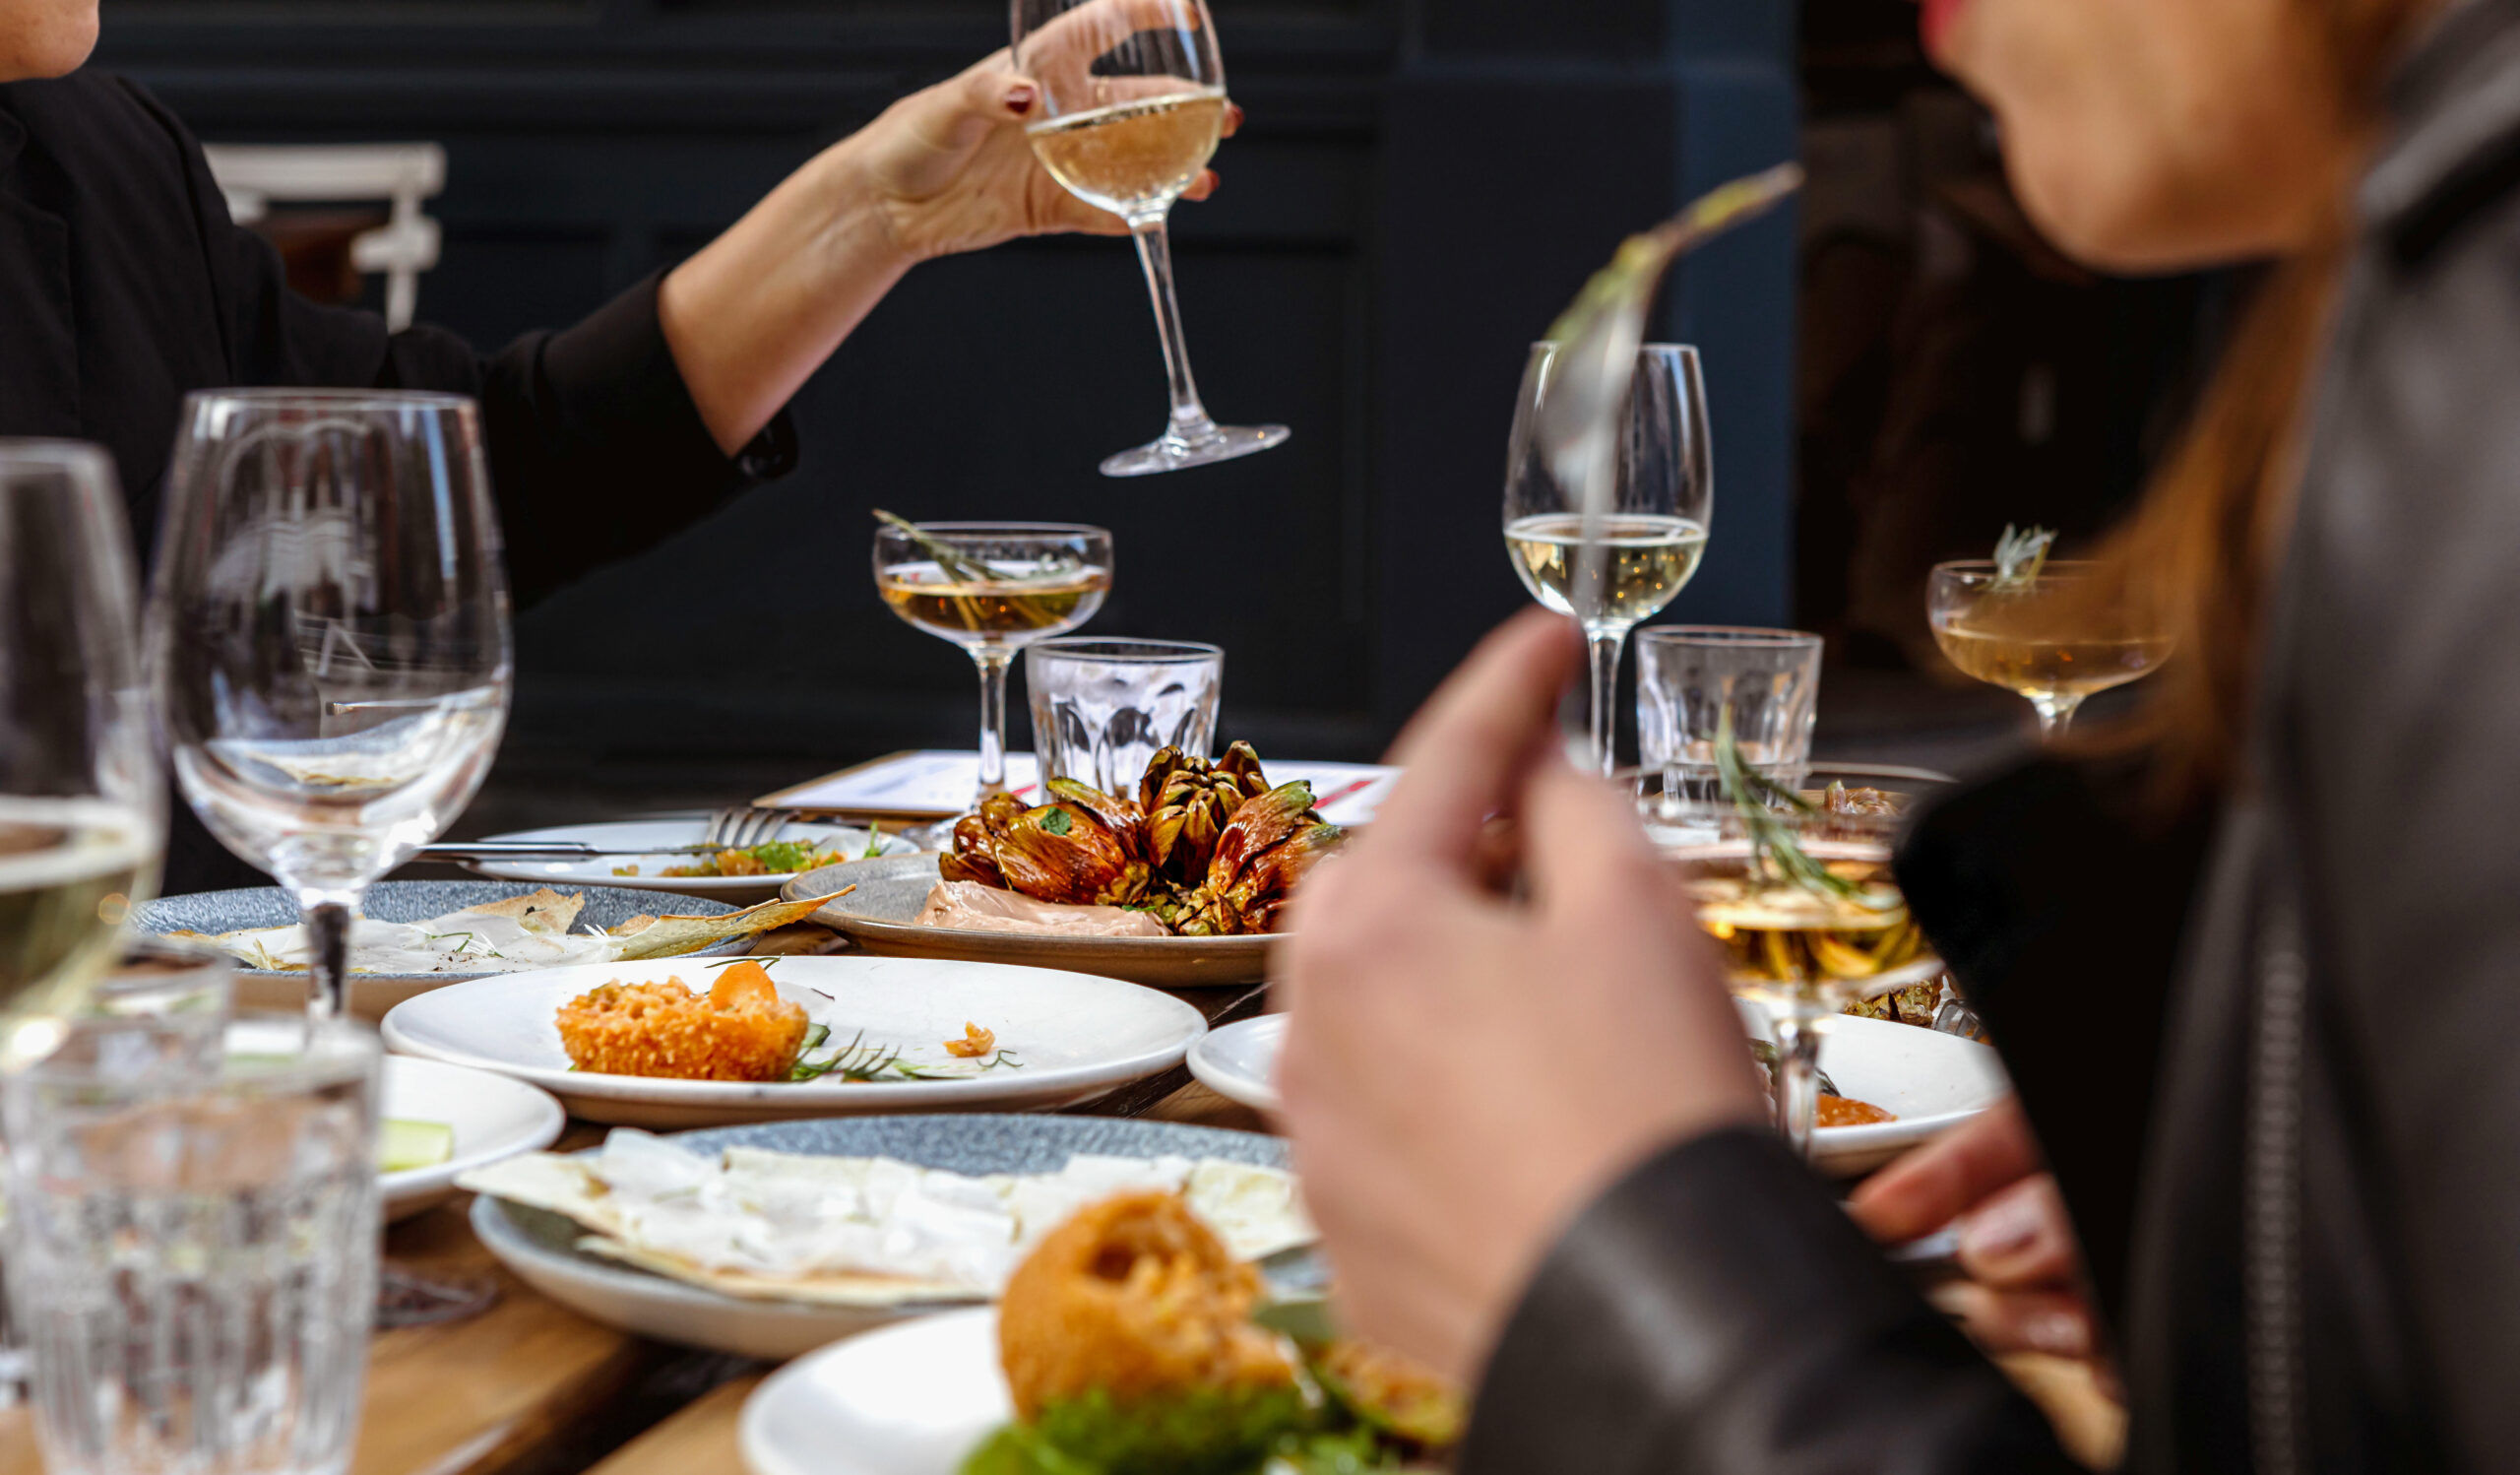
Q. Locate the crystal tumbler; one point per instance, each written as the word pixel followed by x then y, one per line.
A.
pixel 1101 709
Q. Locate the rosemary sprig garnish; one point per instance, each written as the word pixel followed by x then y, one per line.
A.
pixel 1774 847
pixel 2019 555
pixel 863 1062
pixel 954 565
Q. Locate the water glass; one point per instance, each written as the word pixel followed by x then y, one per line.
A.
pixel 192 1258
pixel 1103 709
pixel 1687 677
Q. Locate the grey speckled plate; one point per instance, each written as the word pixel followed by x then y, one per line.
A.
pixel 882 917
pixel 541 1247
pixel 372 994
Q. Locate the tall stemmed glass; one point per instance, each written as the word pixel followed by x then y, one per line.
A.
pixel 2054 637
pixel 83 816
pixel 327 637
pixel 992 589
pixel 1134 104
pixel 1656 530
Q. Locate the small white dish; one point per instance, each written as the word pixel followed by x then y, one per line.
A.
pixel 493 1117
pixel 652 845
pixel 1928 1080
pixel 915 1398
pixel 1075 1037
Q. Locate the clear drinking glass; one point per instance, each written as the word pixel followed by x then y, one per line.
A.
pixel 992 589
pixel 1798 952
pixel 1103 709
pixel 328 636
pixel 82 804
pixel 1654 532
pixel 2055 639
pixel 193 1260
pixel 1689 676
pixel 1133 94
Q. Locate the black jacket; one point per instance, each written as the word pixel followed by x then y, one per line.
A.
pixel 2309 1259
pixel 124 286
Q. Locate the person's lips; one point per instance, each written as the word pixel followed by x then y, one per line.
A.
pixel 1933 22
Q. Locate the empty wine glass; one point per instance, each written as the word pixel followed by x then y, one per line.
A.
pixel 1133 94
pixel 82 805
pixel 992 589
pixel 327 637
pixel 1655 528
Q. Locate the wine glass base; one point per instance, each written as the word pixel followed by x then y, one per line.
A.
pixel 1174 452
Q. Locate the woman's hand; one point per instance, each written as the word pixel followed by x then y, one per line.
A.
pixel 1463 1074
pixel 950 169
pixel 2025 1287
pixel 757 310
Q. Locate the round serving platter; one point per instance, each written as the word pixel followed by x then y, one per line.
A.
pixel 1071 1037
pixel 372 994
pixel 652 845
pixel 1931 1081
pixel 881 916
pixel 541 1247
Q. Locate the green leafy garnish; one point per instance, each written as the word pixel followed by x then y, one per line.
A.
pixel 1200 1431
pixel 1056 822
pixel 1774 847
pixel 2019 555
pixel 874 843
pixel 863 1062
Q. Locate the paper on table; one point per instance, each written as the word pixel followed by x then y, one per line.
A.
pixel 941 783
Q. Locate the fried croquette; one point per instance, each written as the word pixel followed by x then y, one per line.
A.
pixel 1133 1297
pixel 739 1030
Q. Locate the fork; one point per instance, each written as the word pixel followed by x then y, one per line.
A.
pixel 742 826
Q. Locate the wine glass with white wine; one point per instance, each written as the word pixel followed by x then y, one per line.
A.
pixel 82 805
pixel 1133 94
pixel 1654 531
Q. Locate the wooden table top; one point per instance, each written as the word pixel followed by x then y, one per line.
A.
pixel 529 1387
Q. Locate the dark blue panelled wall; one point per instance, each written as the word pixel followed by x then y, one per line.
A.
pixel 1422 184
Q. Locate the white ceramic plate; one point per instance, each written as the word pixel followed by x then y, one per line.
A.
pixel 1930 1080
pixel 911 1399
pixel 541 1248
pixel 493 1117
pixel 1076 1036
pixel 655 840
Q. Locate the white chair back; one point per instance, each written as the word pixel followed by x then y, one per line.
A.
pixel 253 176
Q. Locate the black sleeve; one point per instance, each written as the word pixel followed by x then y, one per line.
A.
pixel 595 449
pixel 1717 1312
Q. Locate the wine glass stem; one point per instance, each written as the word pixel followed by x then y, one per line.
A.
pixel 992 660
pixel 1155 252
pixel 1607 646
pixel 1797 1078
pixel 2056 714
pixel 328 912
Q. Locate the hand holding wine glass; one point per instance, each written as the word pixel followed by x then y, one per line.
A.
pixel 1134 102
pixel 328 636
pixel 82 805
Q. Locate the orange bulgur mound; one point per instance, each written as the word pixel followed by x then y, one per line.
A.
pixel 739 1030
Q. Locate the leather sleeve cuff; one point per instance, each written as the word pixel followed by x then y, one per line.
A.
pixel 1717 1310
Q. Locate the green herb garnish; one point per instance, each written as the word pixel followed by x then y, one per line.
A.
pixel 2019 555
pixel 1774 847
pixel 961 569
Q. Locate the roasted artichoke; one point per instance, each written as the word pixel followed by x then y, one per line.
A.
pixel 1188 803
pixel 1083 847
pixel 1208 849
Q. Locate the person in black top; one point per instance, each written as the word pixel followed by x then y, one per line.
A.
pixel 124 286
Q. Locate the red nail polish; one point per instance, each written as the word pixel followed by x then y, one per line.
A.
pixel 1019 99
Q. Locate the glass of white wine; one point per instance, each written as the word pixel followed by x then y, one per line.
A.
pixel 327 637
pixel 1653 532
pixel 83 816
pixel 1134 104
pixel 992 589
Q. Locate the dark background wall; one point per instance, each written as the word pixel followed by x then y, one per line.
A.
pixel 1422 184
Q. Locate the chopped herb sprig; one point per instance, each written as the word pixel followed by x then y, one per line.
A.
pixel 1774 847
pixel 2019 555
